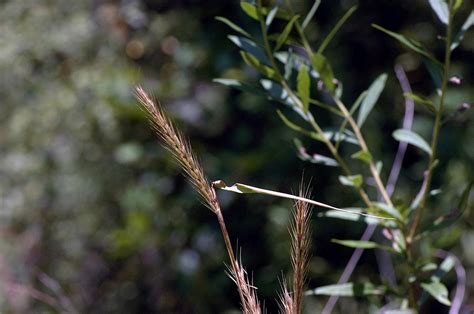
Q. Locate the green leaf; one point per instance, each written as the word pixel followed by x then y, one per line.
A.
pixel 457 5
pixel 409 43
pixel 303 86
pixel 363 155
pixel 373 94
pixel 311 13
pixel 250 47
pixel 271 16
pixel 239 85
pixel 435 69
pixel 324 69
pixel 315 158
pixel 355 180
pixel 464 28
pixel 246 189
pixel 438 291
pixel 349 290
pixel 421 100
pixel 232 25
pixel 255 63
pixel 286 31
pixel 412 138
pixel 362 244
pixel 251 10
pixel 440 7
pixel 348 216
pixel 297 128
pixel 391 211
pixel 336 28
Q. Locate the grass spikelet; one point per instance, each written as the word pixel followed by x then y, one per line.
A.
pixel 300 242
pixel 179 147
pixel 182 152
pixel 250 303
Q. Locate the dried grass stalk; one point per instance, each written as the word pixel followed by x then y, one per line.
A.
pixel 182 152
pixel 300 242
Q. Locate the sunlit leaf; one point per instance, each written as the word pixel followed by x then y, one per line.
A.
pixel 245 189
pixel 349 290
pixel 457 5
pixel 239 85
pixel 421 100
pixel 464 28
pixel 251 10
pixel 355 180
pixel 271 16
pixel 363 155
pixel 363 244
pixel 311 13
pixel 389 210
pixel 303 86
pixel 440 7
pixel 255 63
pixel 232 25
pixel 250 47
pixel 324 69
pixel 412 138
pixel 348 216
pixel 438 291
pixel 373 94
pixel 286 31
pixel 314 158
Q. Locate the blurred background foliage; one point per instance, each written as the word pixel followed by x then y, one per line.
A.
pixel 94 216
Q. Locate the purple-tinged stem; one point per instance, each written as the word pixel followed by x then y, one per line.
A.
pixel 390 187
pixel 461 281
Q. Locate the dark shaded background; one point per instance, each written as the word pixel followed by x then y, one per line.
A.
pixel 94 216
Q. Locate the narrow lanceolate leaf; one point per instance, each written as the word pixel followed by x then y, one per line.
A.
pixel 271 16
pixel 336 28
pixel 355 180
pixel 253 62
pixel 389 210
pixel 421 100
pixel 457 5
pixel 435 69
pixel 311 13
pixel 464 28
pixel 322 66
pixel 438 291
pixel 403 135
pixel 349 290
pixel 407 42
pixel 286 32
pixel 250 47
pixel 349 217
pixel 303 86
pixel 373 94
pixel 251 10
pixel 248 189
pixel 362 244
pixel 234 26
pixel 314 158
pixel 440 7
pixel 239 85
pixel 363 155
